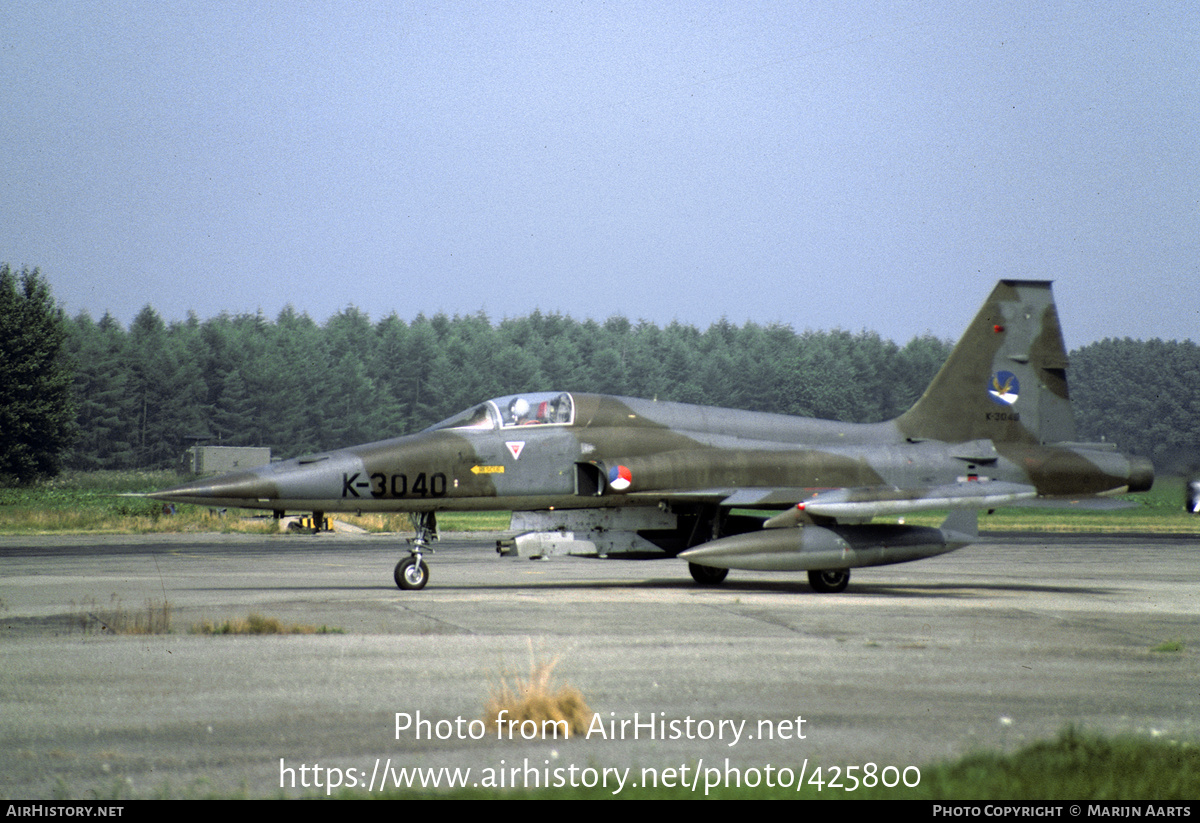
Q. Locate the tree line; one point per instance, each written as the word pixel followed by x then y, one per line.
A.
pixel 137 397
pixel 144 394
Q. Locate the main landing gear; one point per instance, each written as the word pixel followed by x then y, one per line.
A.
pixel 412 573
pixel 826 581
pixel 707 575
pixel 829 581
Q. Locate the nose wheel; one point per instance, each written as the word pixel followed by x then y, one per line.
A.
pixel 412 573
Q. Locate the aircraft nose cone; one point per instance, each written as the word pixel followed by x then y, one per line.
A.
pixel 227 489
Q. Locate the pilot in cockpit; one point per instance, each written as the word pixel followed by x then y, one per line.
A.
pixel 518 411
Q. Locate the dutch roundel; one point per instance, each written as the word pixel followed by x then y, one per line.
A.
pixel 619 478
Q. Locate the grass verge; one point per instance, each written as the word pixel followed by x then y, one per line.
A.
pixel 109 503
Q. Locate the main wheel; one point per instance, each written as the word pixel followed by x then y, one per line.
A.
pixel 829 580
pixel 707 575
pixel 411 574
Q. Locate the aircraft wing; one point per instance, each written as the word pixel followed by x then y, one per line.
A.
pixel 859 503
pixel 866 502
pixel 1098 504
pixel 747 498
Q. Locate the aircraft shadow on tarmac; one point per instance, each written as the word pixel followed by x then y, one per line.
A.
pixel 961 591
pixel 797 587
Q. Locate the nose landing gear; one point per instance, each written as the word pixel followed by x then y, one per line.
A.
pixel 412 573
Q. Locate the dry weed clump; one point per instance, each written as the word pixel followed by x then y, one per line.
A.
pixel 156 618
pixel 256 623
pixel 116 619
pixel 534 706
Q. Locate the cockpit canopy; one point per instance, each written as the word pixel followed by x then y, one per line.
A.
pixel 531 409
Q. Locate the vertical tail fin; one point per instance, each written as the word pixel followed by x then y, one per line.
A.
pixel 1006 380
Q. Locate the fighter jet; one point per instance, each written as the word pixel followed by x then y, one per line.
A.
pixel 726 489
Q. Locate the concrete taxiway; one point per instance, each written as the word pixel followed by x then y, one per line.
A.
pixel 1001 643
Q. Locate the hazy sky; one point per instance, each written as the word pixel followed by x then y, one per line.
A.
pixel 821 164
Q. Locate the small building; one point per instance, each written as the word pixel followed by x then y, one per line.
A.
pixel 221 459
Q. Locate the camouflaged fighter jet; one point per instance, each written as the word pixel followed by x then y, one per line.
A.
pixel 599 475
